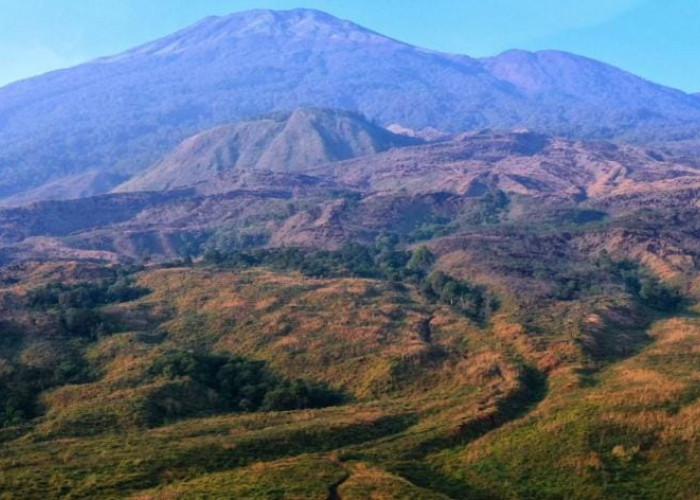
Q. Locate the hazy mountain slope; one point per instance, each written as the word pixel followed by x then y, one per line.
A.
pixel 122 113
pixel 293 142
pixel 625 105
pixel 81 185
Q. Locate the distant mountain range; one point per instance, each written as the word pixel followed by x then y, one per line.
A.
pixel 84 130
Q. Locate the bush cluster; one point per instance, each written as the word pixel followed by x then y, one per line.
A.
pixel 472 301
pixel 76 304
pixel 240 384
pixel 20 385
pixel 83 295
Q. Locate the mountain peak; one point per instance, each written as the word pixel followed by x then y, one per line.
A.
pixel 294 22
pixel 305 23
pixel 254 27
pixel 567 74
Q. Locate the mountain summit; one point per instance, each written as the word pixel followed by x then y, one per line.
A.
pixel 251 27
pixel 120 114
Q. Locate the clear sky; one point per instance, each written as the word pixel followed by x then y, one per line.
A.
pixel 657 39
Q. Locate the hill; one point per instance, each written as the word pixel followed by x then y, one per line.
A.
pixel 317 374
pixel 287 143
pixel 120 114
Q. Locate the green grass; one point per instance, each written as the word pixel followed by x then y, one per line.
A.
pixel 622 438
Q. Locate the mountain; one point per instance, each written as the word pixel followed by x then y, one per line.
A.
pixel 288 143
pixel 627 106
pixel 120 114
pixel 226 188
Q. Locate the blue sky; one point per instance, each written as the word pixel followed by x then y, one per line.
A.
pixel 658 39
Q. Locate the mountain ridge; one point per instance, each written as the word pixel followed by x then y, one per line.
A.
pixel 120 114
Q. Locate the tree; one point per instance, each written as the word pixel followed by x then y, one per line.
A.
pixel 81 323
pixel 659 296
pixel 421 259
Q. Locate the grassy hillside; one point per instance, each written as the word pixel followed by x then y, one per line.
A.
pixel 362 373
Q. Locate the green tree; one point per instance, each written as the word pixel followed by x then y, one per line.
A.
pixel 421 259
